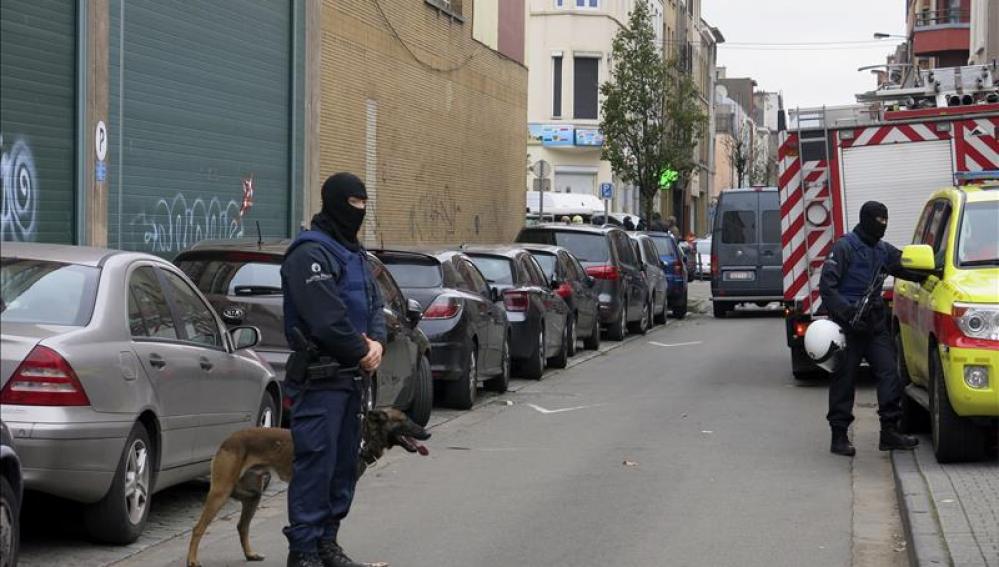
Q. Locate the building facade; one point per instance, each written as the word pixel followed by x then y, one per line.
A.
pixel 569 56
pixel 984 32
pixel 426 101
pixel 939 32
pixel 144 125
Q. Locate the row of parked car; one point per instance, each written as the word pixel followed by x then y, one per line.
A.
pixel 122 372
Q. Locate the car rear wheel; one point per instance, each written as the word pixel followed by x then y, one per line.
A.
pixel 120 516
pixel 502 382
pixel 561 360
pixel 573 336
pixel 10 537
pixel 661 316
pixel 641 326
pixel 618 329
pixel 460 394
pixel 423 393
pixel 721 309
pixel 534 367
pixel 592 342
pixel 955 438
pixel 680 309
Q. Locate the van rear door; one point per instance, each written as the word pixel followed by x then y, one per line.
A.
pixel 770 276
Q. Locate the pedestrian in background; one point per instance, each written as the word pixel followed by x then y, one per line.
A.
pixel 334 323
pixel 853 266
pixel 657 223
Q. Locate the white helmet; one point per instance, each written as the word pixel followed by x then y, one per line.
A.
pixel 823 341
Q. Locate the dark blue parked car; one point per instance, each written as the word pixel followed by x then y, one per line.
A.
pixel 676 272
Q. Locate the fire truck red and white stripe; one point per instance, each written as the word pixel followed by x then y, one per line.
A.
pixel 811 194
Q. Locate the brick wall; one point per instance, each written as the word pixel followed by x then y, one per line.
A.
pixel 439 141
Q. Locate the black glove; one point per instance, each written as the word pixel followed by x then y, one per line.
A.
pixel 846 316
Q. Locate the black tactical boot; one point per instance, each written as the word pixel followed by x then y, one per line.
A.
pixel 333 556
pixel 841 443
pixel 891 439
pixel 299 559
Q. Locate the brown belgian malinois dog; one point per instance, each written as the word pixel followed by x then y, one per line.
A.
pixel 241 467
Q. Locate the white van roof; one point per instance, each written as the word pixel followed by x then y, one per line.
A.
pixel 565 203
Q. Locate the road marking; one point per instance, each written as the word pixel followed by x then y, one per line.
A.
pixel 562 410
pixel 675 344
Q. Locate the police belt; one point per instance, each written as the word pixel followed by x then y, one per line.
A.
pixel 322 372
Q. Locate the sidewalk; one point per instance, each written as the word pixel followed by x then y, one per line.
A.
pixel 950 512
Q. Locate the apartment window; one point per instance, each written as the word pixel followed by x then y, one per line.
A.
pixel 584 86
pixel 557 86
pixel 587 3
pixel 559 3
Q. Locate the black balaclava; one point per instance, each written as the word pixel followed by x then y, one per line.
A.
pixel 869 229
pixel 338 217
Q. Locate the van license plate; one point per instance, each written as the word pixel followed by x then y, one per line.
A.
pixel 740 276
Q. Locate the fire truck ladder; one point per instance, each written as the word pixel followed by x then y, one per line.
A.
pixel 812 126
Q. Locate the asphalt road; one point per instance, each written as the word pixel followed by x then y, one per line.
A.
pixel 689 446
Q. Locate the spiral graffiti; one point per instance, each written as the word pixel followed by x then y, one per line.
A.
pixel 20 204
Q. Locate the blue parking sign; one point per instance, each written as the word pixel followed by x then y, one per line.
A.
pixel 606 190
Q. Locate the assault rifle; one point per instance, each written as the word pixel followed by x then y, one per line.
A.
pixel 864 305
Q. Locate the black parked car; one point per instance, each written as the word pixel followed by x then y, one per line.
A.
pixel 569 280
pixel 608 256
pixel 468 332
pixel 242 280
pixel 539 318
pixel 655 275
pixel 11 491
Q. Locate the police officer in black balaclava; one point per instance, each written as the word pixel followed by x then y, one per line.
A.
pixel 334 323
pixel 855 262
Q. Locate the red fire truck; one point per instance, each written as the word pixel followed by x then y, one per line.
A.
pixel 897 146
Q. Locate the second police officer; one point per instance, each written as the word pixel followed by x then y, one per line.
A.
pixel 334 323
pixel 850 273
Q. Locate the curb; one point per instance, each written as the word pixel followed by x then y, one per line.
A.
pixel 926 546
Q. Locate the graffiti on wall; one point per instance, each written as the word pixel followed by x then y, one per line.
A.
pixel 175 224
pixel 433 216
pixel 20 191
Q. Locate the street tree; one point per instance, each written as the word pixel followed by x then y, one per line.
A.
pixel 651 116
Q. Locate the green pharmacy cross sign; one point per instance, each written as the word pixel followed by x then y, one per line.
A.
pixel 667 177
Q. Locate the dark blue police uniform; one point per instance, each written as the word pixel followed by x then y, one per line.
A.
pixel 331 297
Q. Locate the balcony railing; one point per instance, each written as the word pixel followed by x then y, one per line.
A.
pixel 929 18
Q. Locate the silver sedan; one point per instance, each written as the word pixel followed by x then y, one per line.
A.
pixel 118 379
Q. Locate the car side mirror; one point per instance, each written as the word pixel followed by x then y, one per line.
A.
pixel 919 258
pixel 494 294
pixel 554 283
pixel 245 337
pixel 590 281
pixel 414 312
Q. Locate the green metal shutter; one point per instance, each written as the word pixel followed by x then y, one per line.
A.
pixel 200 106
pixel 38 120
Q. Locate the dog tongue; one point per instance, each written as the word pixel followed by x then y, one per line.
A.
pixel 422 450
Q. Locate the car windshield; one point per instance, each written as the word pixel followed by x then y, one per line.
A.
pixel 235 274
pixel 547 262
pixel 703 245
pixel 979 236
pixel 414 272
pixel 663 245
pixel 49 293
pixel 496 269
pixel 588 247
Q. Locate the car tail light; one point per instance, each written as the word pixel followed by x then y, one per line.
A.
pixel 44 379
pixel 678 266
pixel 564 290
pixel 715 271
pixel 800 327
pixel 515 300
pixel 603 272
pixel 443 308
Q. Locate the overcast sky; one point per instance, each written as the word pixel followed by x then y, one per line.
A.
pixel 808 76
